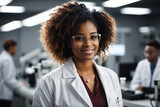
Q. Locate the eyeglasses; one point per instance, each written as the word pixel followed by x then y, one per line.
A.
pixel 149 52
pixel 80 39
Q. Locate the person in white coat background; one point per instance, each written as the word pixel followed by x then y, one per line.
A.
pixel 147 69
pixel 8 81
pixel 73 36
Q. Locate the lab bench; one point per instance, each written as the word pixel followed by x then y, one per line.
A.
pixel 28 92
pixel 25 95
pixel 138 103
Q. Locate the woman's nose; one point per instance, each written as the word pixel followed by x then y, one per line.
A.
pixel 87 42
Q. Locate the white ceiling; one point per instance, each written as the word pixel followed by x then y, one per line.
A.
pixel 36 6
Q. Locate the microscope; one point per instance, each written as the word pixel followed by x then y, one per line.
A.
pixel 156 92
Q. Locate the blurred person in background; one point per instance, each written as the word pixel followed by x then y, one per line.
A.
pixel 147 69
pixel 8 81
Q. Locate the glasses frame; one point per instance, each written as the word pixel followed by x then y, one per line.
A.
pixel 150 53
pixel 87 37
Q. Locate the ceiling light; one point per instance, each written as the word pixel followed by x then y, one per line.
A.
pixel 98 8
pixel 135 11
pixel 38 18
pixel 92 5
pixel 88 3
pixel 12 9
pixel 117 3
pixel 11 26
pixel 5 2
pixel 146 29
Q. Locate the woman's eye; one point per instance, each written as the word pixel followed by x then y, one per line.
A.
pixel 79 38
pixel 93 37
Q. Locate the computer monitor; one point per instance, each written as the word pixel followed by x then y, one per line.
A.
pixel 127 70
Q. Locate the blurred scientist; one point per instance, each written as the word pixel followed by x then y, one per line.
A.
pixel 8 81
pixel 148 69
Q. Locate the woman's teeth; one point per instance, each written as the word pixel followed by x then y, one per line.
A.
pixel 88 51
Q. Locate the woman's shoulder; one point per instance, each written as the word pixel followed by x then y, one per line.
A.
pixel 50 79
pixel 54 73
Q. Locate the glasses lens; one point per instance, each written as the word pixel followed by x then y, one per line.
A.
pixel 95 37
pixel 78 38
pixel 150 52
pixel 81 39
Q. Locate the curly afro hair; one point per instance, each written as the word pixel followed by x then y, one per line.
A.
pixel 56 33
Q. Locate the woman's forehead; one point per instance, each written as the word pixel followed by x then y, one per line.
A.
pixel 87 27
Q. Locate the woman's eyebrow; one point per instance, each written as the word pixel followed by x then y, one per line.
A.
pixel 93 32
pixel 84 34
pixel 79 34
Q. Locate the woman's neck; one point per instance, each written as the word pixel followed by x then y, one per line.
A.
pixel 84 66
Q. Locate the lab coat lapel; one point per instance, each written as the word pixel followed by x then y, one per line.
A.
pixel 71 72
pixel 157 69
pixel 105 83
pixel 148 70
pixel 79 87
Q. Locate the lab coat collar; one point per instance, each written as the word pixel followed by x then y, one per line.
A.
pixel 157 68
pixel 104 77
pixel 148 68
pixel 70 71
pixel 6 53
pixel 100 72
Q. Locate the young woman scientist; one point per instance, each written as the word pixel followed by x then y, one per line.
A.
pixel 73 36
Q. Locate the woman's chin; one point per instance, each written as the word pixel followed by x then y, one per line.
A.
pixel 86 58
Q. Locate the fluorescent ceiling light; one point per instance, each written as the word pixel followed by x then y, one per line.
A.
pixel 5 2
pixel 117 3
pixel 135 11
pixel 12 9
pixel 92 5
pixel 38 18
pixel 98 8
pixel 88 3
pixel 42 17
pixel 11 26
pixel 146 29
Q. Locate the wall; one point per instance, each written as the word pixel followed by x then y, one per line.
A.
pixel 27 39
pixel 134 47
pixel 133 40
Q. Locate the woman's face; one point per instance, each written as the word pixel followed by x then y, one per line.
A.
pixel 85 43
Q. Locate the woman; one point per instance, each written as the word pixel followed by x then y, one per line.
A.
pixel 73 36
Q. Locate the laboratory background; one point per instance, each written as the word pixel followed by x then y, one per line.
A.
pixel 138 21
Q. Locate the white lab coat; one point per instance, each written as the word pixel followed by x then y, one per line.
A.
pixel 8 81
pixel 64 88
pixel 142 75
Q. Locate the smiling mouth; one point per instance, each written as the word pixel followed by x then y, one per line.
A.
pixel 88 51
